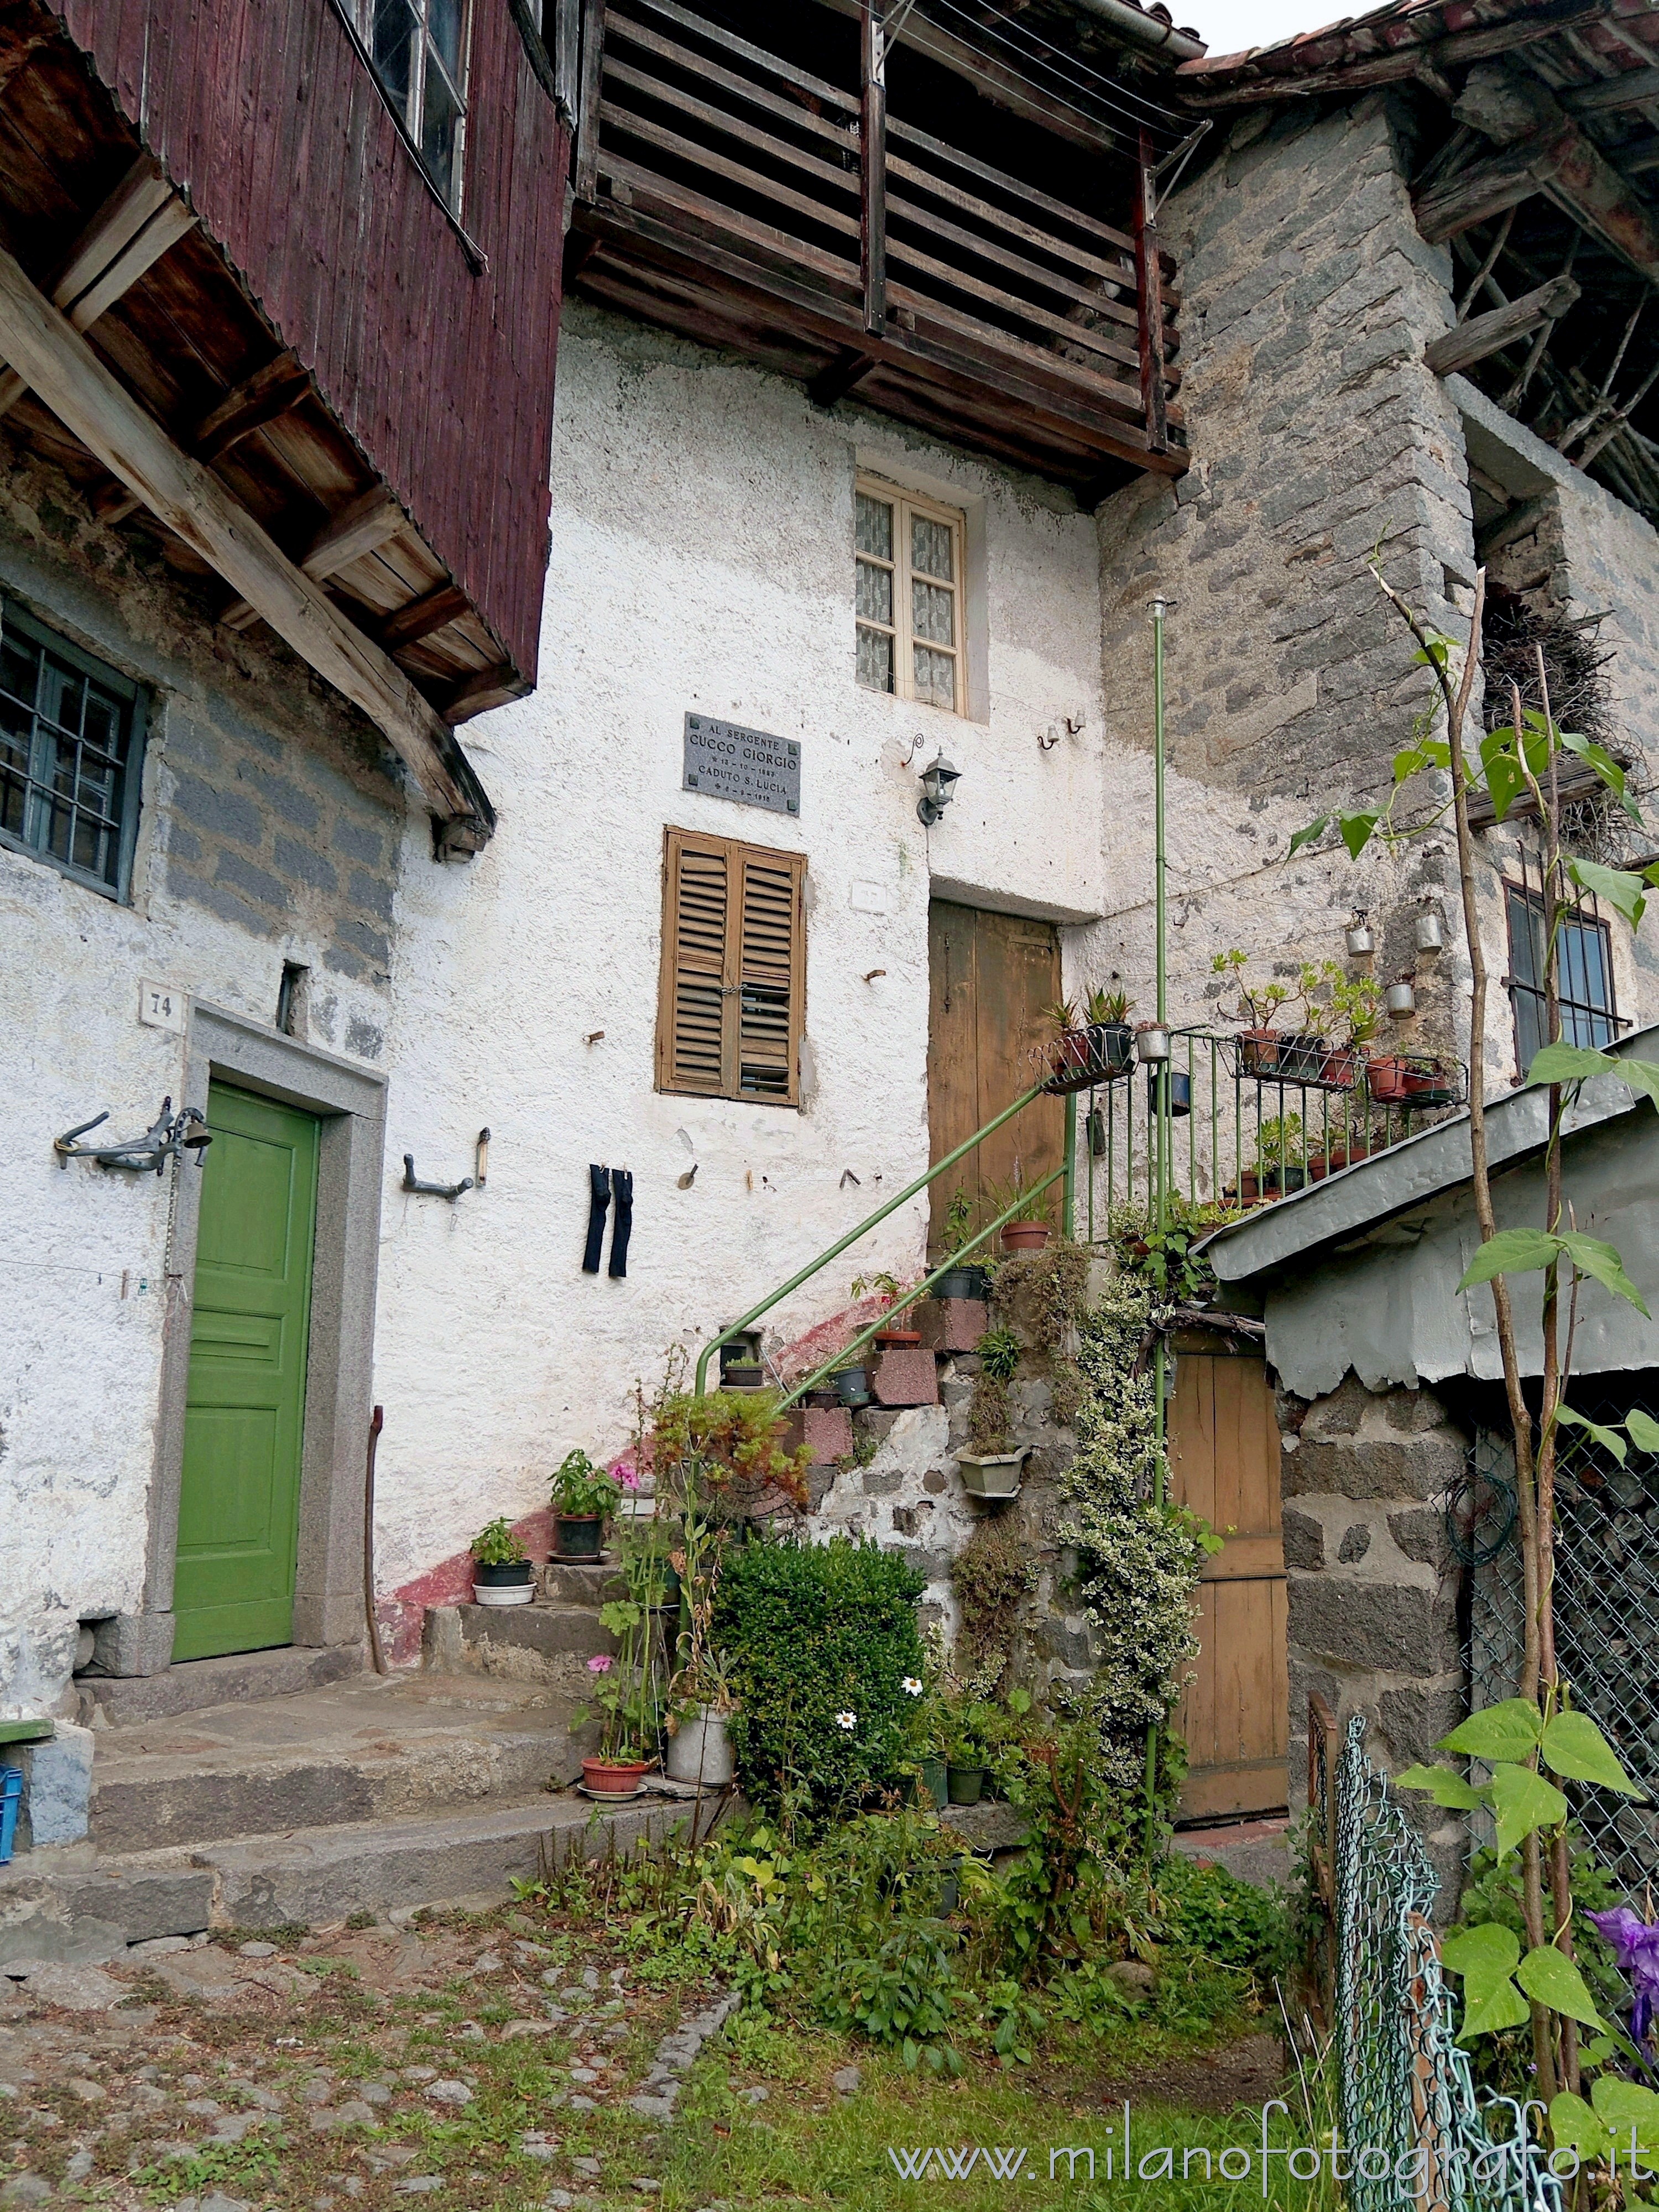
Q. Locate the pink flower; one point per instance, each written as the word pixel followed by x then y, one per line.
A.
pixel 625 1473
pixel 600 1663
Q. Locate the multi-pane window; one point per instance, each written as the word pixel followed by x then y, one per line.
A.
pixel 419 48
pixel 1590 1013
pixel 70 741
pixel 908 597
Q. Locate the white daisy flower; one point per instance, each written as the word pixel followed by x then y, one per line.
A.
pixel 847 1720
pixel 912 1688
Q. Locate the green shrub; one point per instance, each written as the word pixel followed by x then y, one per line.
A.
pixel 1211 1913
pixel 815 1631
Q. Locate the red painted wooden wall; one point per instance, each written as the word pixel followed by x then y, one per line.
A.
pixel 264 113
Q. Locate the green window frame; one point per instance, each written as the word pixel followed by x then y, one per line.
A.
pixel 72 755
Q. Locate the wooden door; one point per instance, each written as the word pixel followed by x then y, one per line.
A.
pixel 991 975
pixel 238 1501
pixel 1223 1464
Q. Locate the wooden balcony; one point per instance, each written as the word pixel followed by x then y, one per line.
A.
pixel 745 200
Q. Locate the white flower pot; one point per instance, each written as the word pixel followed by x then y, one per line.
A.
pixel 992 1474
pixel 503 1593
pixel 698 1750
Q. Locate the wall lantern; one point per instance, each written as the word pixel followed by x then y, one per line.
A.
pixel 1400 1000
pixel 1429 934
pixel 937 791
pixel 1362 938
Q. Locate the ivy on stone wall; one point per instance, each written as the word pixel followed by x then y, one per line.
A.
pixel 1137 1562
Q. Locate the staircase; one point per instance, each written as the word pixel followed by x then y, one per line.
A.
pixel 292 1786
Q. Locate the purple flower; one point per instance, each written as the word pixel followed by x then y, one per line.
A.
pixel 600 1663
pixel 1636 1947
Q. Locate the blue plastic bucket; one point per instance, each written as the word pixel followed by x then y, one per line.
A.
pixel 11 1797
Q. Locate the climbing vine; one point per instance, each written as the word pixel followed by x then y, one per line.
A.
pixel 990 1577
pixel 1137 1562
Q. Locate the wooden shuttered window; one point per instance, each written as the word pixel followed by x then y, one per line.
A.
pixel 734 990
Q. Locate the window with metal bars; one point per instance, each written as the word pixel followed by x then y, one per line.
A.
pixel 419 48
pixel 1589 1011
pixel 71 739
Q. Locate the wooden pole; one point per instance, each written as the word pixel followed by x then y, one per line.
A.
pixel 873 167
pixel 1149 291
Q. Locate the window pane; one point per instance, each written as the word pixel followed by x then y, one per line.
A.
pixel 875 526
pixel 443 25
pixel 437 131
pixel 394 37
pixel 935 676
pixel 875 660
pixel 932 614
pixel 1525 924
pixel 930 547
pixel 65 740
pixel 875 593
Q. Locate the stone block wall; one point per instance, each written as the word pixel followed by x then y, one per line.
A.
pixel 1373 1584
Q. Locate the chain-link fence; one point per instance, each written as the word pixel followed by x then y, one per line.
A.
pixel 1417 2140
pixel 1606 1616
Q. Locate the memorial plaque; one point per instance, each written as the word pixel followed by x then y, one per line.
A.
pixel 728 761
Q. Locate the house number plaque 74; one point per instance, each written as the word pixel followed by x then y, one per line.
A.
pixel 728 761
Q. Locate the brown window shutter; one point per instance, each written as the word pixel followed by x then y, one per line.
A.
pixel 731 1001
pixel 772 973
pixel 696 1016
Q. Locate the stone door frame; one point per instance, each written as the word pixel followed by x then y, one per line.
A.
pixel 350 1104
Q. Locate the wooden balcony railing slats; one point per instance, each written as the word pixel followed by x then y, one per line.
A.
pixel 953 291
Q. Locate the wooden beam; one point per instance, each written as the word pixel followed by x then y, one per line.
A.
pixel 1592 192
pixel 1632 88
pixel 433 610
pixel 361 526
pixel 478 693
pixel 586 180
pixel 56 362
pixel 132 229
pixel 1481 335
pixel 872 164
pixel 261 399
pixel 836 381
pixel 1475 194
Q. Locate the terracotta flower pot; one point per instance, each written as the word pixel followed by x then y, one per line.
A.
pixel 614 1777
pixel 1258 1051
pixel 1341 1070
pixel 1386 1076
pixel 1025 1235
pixel 894 1339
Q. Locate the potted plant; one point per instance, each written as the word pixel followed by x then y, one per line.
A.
pixel 1258 1045
pixel 625 1695
pixel 966 1764
pixel 993 1474
pixel 965 1281
pixel 898 1334
pixel 1430 1083
pixel 584 1497
pixel 1028 1228
pixel 1301 1052
pixel 852 1383
pixel 1112 1039
pixel 1385 1077
pixel 1280 1154
pixel 1357 1005
pixel 1067 1058
pixel 699 1750
pixel 741 1365
pixel 502 1571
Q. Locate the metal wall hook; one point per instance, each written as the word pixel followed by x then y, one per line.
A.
pixel 168 1136
pixel 449 1190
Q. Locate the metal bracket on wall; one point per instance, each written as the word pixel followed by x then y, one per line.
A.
pixel 449 1190
pixel 168 1136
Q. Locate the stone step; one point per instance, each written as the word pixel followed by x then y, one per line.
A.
pixel 89 1913
pixel 107 1701
pixel 547 1645
pixel 374 1746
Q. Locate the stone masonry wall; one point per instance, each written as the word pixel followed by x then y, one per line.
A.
pixel 270 829
pixel 1373 1585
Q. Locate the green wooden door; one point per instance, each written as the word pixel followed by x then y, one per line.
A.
pixel 239 1502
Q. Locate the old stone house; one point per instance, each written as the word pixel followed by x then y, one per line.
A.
pixel 895 378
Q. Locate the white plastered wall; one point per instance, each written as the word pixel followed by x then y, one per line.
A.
pixel 702 559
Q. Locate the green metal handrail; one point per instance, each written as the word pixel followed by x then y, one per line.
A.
pixel 700 1382
pixel 885 1320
